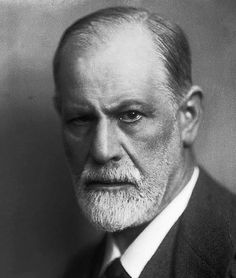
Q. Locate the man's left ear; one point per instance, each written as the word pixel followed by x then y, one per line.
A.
pixel 190 115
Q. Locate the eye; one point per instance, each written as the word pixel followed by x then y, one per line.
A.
pixel 80 120
pixel 130 116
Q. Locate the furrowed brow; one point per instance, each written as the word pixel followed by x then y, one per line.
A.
pixel 127 104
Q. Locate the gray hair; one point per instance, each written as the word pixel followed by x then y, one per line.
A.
pixel 168 37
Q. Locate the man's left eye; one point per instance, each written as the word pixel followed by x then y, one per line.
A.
pixel 130 116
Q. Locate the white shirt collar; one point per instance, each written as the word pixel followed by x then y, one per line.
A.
pixel 145 245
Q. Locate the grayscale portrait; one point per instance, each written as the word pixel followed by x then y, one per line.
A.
pixel 118 157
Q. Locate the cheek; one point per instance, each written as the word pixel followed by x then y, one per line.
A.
pixel 156 135
pixel 76 151
pixel 150 146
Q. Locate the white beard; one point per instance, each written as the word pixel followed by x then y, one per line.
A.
pixel 117 209
pixel 114 210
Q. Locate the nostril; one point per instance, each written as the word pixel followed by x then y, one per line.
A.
pixel 116 158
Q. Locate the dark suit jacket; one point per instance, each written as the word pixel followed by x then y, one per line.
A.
pixel 201 244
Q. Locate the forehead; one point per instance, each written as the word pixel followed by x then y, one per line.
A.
pixel 126 62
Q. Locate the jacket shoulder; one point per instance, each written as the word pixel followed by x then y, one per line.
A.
pixel 79 264
pixel 223 201
pixel 208 225
pixel 87 262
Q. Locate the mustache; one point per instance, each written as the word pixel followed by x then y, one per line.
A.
pixel 111 175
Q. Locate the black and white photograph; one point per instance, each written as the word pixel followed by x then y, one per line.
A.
pixel 117 139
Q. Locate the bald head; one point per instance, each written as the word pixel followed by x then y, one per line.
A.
pixel 114 26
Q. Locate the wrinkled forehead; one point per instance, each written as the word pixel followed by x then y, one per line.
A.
pixel 128 34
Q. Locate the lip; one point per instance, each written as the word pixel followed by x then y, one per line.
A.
pixel 112 185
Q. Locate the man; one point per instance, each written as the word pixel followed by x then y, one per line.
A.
pixel 130 115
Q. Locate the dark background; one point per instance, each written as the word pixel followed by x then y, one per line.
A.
pixel 40 225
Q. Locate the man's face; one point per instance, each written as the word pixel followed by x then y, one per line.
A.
pixel 119 128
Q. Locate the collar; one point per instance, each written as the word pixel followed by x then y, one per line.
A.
pixel 145 245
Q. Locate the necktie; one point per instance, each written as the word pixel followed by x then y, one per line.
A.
pixel 115 270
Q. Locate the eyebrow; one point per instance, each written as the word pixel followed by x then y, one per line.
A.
pixel 128 103
pixel 75 106
pixel 113 108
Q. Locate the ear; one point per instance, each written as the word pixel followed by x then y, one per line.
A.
pixel 190 115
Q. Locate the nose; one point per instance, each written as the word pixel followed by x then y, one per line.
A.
pixel 105 145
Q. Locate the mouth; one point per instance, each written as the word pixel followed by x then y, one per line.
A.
pixel 107 185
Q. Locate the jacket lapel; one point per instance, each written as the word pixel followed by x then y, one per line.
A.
pixel 160 264
pixel 96 263
pixel 203 246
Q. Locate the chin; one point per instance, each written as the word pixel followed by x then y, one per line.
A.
pixel 114 211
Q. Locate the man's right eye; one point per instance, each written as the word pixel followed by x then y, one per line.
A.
pixel 80 120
